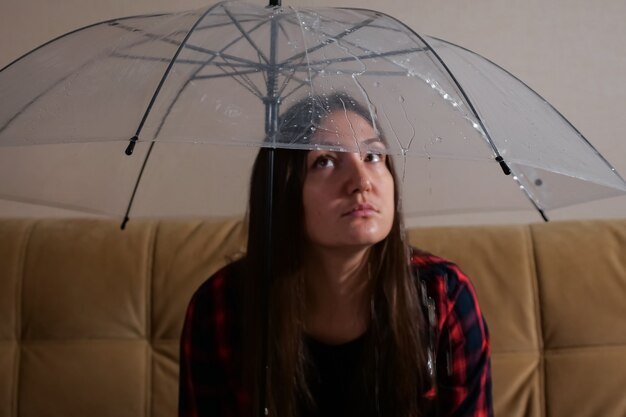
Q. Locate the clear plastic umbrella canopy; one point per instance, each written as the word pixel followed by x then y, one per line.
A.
pixel 194 96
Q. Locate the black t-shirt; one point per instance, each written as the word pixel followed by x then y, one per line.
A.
pixel 334 378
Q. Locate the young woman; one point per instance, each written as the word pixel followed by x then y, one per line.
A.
pixel 359 323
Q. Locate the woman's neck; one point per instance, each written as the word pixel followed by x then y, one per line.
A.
pixel 338 294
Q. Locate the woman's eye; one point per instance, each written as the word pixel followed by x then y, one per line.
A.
pixel 323 162
pixel 374 157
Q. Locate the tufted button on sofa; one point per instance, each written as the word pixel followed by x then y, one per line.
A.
pixel 90 315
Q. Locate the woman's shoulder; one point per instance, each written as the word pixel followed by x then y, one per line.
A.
pixel 438 274
pixel 222 284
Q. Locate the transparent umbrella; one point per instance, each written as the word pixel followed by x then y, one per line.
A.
pixel 163 115
pixel 190 97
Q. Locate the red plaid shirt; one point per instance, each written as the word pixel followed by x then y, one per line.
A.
pixel 210 384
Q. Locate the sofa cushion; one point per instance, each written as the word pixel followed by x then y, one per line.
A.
pixel 90 315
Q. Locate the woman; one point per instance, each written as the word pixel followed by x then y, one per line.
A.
pixel 359 323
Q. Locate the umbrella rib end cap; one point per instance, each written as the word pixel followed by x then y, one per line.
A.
pixel 131 146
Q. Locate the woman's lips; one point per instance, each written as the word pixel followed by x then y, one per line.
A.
pixel 361 210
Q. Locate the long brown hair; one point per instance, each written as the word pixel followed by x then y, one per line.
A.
pixel 394 360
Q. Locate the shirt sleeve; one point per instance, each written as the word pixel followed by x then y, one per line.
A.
pixel 463 351
pixel 204 355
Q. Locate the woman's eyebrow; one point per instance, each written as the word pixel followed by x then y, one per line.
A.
pixel 369 141
pixel 375 139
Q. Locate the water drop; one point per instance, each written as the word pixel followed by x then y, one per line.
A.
pixel 376 84
pixel 401 99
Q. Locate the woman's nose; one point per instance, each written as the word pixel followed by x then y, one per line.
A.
pixel 359 179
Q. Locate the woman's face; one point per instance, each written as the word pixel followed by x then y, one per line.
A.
pixel 348 197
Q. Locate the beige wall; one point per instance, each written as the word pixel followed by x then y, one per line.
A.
pixel 570 51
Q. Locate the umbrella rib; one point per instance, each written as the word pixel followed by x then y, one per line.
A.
pixel 330 40
pixel 163 78
pixel 195 76
pixel 295 89
pixel 44 92
pixel 548 103
pixel 245 35
pixel 225 74
pixel 221 53
pixel 362 57
pixel 243 80
pixel 219 25
pixel 36 98
pixel 465 96
pixel 149 36
pixel 136 187
pixel 502 162
pixel 191 47
pixel 251 64
pixel 291 75
pixel 134 139
pixel 105 22
pixel 405 51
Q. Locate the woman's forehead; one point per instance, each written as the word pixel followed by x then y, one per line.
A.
pixel 346 129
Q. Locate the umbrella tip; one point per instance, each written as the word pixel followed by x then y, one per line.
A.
pixel 131 146
pixel 503 165
pixel 123 225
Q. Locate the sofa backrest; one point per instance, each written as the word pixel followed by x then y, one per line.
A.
pixel 90 315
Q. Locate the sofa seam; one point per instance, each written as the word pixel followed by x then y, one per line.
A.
pixel 540 321
pixel 149 313
pixel 19 310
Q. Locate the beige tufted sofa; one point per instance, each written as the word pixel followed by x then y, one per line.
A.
pixel 90 316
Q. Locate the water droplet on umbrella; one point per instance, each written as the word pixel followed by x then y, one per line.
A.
pixel 376 84
pixel 538 182
pixel 401 99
